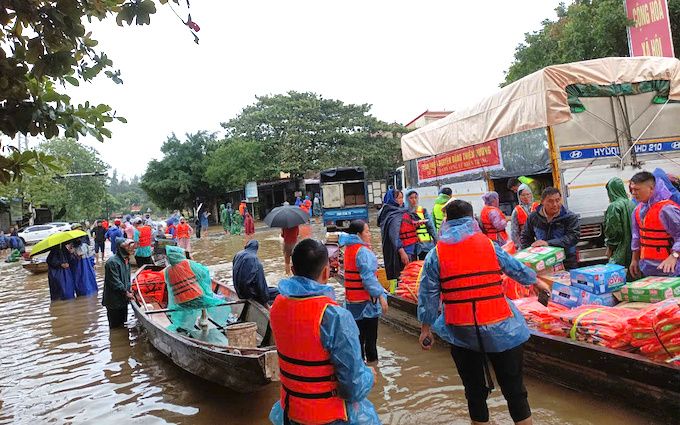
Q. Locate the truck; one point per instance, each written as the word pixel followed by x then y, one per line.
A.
pixel 573 126
pixel 344 196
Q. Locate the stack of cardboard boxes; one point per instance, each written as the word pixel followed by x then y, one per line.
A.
pixel 651 289
pixel 597 285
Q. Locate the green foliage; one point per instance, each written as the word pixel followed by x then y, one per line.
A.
pixel 44 49
pixel 234 163
pixel 301 132
pixel 586 29
pixel 79 198
pixel 178 179
pixel 124 193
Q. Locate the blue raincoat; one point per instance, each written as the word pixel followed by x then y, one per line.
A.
pixel 340 336
pixel 367 263
pixel 84 276
pixel 61 281
pixel 112 234
pixel 497 337
pixel 248 276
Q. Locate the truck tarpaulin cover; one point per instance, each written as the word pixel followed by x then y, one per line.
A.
pixel 536 101
pixel 342 174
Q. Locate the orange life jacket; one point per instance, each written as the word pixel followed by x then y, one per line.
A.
pixel 655 241
pixel 354 286
pixel 408 232
pixel 144 236
pixel 308 383
pixel 522 215
pixel 183 282
pixel 488 228
pixel 182 231
pixel 471 282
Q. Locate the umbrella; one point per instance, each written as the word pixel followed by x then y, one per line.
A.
pixel 55 240
pixel 286 217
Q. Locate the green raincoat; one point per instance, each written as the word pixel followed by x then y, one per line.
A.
pixel 617 225
pixel 224 218
pixel 236 223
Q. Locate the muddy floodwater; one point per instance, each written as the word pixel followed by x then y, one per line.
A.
pixel 59 363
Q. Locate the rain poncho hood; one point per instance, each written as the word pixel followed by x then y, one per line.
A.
pixel 340 337
pixel 617 224
pixel 175 254
pixel 248 274
pixel 520 189
pixel 389 199
pixel 491 199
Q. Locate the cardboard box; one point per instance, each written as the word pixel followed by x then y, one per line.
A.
pixel 350 200
pixel 571 296
pixel 599 279
pixel 540 258
pixel 550 278
pixel 360 200
pixel 565 295
pixel 651 289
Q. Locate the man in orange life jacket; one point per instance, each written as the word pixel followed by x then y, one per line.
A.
pixel 464 271
pixel 655 228
pixel 143 241
pixel 492 219
pixel 323 377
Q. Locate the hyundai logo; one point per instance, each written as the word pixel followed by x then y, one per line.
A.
pixel 575 154
pixel 676 145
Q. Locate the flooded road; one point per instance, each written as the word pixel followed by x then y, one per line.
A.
pixel 59 363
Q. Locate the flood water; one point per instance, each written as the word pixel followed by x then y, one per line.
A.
pixel 59 363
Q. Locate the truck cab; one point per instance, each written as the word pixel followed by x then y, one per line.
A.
pixel 344 197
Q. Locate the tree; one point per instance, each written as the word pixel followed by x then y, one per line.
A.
pixel 235 163
pixel 178 179
pixel 301 132
pixel 124 193
pixel 586 29
pixel 44 47
pixel 70 198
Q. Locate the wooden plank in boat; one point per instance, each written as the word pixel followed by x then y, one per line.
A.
pixel 162 319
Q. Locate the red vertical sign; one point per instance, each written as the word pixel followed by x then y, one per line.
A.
pixel 650 35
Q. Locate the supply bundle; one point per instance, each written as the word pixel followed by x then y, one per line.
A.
pixel 656 331
pixel 408 281
pixel 540 317
pixel 599 325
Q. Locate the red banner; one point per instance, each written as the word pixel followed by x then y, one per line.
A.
pixel 483 157
pixel 651 33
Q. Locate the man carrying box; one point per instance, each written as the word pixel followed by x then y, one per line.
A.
pixel 655 228
pixel 553 225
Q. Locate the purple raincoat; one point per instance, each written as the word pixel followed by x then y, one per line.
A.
pixel 670 218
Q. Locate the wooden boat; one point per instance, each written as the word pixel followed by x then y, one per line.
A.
pixel 239 368
pixel 612 374
pixel 35 267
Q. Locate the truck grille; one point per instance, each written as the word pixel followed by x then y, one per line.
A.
pixel 591 231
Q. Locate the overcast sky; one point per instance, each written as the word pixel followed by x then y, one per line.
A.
pixel 401 57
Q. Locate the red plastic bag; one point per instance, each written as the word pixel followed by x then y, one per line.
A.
pixel 540 317
pixel 599 325
pixel 409 284
pixel 656 330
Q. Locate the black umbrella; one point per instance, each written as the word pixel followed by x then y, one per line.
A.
pixel 286 217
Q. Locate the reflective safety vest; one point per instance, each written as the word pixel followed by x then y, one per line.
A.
pixel 471 283
pixel 183 282
pixel 309 387
pixel 182 231
pixel 421 231
pixel 487 226
pixel 354 286
pixel 438 215
pixel 522 215
pixel 655 241
pixel 407 231
pixel 144 236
